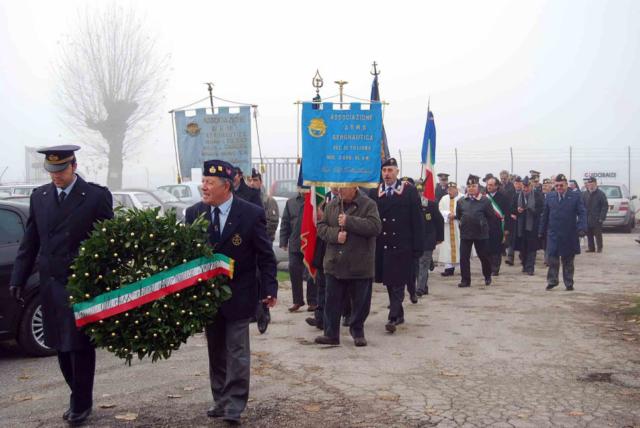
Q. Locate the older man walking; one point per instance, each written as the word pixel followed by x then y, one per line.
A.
pixel 563 220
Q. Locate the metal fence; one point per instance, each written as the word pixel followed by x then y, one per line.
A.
pixel 276 169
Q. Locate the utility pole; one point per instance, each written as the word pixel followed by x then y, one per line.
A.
pixel 511 155
pixel 400 155
pixel 455 151
pixel 629 168
pixel 570 162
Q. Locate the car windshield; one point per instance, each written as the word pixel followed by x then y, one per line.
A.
pixel 612 192
pixel 164 196
pixel 147 200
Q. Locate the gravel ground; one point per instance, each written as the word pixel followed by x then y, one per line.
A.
pixel 508 355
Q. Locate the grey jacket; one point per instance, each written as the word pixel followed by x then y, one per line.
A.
pixel 355 258
pixel 597 207
pixel 290 224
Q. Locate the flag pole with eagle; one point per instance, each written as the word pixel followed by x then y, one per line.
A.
pixel 429 155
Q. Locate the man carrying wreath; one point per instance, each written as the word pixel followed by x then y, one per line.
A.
pixel 238 230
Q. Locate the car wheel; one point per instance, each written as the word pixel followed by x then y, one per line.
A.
pixel 31 331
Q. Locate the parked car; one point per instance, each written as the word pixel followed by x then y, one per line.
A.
pixel 149 198
pixel 284 188
pixel 20 322
pixel 17 190
pixel 189 192
pixel 622 207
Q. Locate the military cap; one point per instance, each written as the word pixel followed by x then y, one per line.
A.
pixel 443 175
pixel 452 184
pixel 473 179
pixel 218 168
pixel 517 179
pixel 409 179
pixel 57 158
pixel 526 181
pixel 390 162
pixel 591 179
pixel 534 173
pixel 575 183
pixel 487 177
pixel 547 181
pixel 561 177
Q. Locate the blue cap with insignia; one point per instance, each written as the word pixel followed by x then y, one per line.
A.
pixel 390 162
pixel 58 158
pixel 218 168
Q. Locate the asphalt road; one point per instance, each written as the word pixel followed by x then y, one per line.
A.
pixel 509 355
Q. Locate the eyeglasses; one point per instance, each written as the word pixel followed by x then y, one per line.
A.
pixel 559 185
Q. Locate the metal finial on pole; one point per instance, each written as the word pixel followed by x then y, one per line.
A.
pixel 317 82
pixel 341 84
pixel 375 71
pixel 210 89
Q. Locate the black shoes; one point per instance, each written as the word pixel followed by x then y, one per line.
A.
pixel 509 262
pixel 326 340
pixel 551 286
pixel 487 281
pixel 590 251
pixel 530 273
pixel 77 419
pixel 464 285
pixel 215 412
pixel 569 288
pixel 314 323
pixel 390 327
pixel 448 272
pixel 360 341
pixel 413 298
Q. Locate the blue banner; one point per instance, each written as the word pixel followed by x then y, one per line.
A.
pixel 223 135
pixel 341 147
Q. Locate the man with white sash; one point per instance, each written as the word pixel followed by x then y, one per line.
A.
pixel 449 250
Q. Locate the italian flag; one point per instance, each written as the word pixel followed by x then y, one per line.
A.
pixel 429 156
pixel 309 229
pixel 152 288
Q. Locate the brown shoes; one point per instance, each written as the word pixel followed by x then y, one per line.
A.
pixel 312 308
pixel 295 307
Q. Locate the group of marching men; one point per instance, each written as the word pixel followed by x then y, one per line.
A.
pixel 393 234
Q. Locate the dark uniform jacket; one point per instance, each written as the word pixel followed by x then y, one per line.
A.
pixel 355 258
pixel 597 206
pixel 249 194
pixel 291 223
pixel 244 239
pixel 53 235
pixel 440 192
pixel 433 224
pixel 528 222
pixel 561 221
pixel 474 216
pixel 496 235
pixel 402 233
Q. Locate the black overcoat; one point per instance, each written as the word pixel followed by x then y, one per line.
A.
pixel 52 236
pixel 401 239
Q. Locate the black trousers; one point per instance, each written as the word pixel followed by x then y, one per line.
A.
pixel 567 270
pixel 528 258
pixel 465 258
pixel 594 232
pixel 78 369
pixel 296 272
pixel 396 297
pixel 496 262
pixel 229 364
pixel 321 297
pixel 358 291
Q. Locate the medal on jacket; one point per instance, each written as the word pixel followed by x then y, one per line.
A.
pixel 236 240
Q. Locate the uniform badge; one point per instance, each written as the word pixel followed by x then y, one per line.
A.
pixel 236 240
pixel 428 216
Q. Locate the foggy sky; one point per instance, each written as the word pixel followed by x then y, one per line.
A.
pixel 537 76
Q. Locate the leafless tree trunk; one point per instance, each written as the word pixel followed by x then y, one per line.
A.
pixel 112 78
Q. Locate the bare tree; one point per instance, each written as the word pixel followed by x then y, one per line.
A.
pixel 111 79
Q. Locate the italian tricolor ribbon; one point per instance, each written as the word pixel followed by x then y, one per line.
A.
pixel 497 210
pixel 152 288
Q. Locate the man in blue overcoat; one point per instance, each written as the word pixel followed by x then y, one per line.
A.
pixel 564 220
pixel 237 229
pixel 61 215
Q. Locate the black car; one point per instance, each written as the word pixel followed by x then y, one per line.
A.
pixel 20 322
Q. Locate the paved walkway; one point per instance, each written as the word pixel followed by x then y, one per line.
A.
pixel 509 355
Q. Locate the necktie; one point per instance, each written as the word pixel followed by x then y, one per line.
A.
pixel 389 191
pixel 62 196
pixel 216 225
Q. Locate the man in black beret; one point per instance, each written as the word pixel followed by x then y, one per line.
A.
pixel 61 215
pixel 243 191
pixel 442 187
pixel 474 213
pixel 238 230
